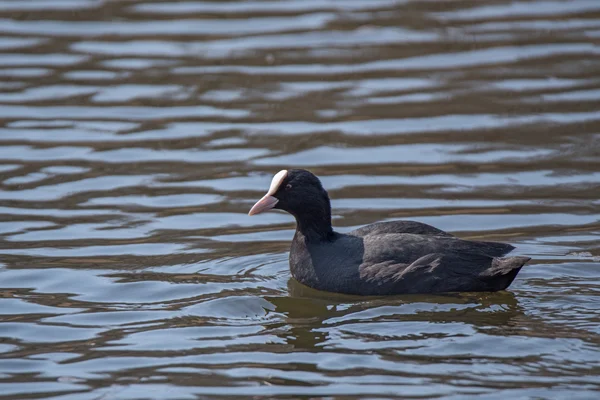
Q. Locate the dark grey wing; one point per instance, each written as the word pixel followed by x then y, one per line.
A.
pixel 406 248
pixel 437 272
pixel 414 227
pixel 495 249
pixel 490 249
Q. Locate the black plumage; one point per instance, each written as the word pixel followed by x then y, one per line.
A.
pixel 383 258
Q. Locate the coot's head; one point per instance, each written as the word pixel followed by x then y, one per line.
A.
pixel 301 194
pixel 293 191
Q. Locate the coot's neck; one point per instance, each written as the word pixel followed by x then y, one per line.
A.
pixel 314 223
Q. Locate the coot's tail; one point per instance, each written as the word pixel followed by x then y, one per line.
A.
pixel 503 271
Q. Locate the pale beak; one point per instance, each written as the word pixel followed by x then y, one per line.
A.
pixel 266 203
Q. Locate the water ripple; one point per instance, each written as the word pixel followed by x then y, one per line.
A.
pixel 135 136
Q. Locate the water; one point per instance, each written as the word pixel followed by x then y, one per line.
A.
pixel 136 135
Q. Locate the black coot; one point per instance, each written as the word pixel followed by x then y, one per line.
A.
pixel 382 258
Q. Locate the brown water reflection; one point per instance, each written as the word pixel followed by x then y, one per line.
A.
pixel 136 134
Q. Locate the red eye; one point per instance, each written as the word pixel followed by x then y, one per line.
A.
pixel 288 186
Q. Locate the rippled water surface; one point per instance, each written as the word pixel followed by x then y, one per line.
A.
pixel 135 135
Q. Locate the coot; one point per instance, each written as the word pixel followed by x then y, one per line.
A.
pixel 384 258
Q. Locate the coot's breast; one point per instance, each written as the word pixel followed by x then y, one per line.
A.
pixel 331 266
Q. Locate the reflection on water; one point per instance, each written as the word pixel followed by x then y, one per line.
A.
pixel 135 135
